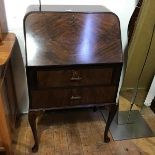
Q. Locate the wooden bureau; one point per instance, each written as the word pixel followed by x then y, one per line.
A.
pixel 73 59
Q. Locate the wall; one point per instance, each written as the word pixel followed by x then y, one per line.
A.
pixel 139 48
pixel 15 11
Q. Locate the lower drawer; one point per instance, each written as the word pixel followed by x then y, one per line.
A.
pixel 2 151
pixel 72 97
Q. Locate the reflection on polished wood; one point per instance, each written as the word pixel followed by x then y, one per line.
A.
pixel 8 102
pixel 72 38
pixel 74 59
pixel 76 77
pixel 8 41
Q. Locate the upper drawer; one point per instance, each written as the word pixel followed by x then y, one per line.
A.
pixel 74 77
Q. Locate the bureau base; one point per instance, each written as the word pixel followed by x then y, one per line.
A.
pixel 33 114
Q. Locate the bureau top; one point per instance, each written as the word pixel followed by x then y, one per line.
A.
pixel 72 36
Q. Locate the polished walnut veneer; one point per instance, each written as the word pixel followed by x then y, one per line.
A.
pixel 83 41
pixel 73 59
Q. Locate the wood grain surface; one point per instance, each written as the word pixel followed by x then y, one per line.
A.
pixel 7 92
pixel 81 133
pixel 75 77
pixel 72 38
pixel 72 97
pixel 6 47
pixel 74 59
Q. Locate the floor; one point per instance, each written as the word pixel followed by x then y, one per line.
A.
pixel 80 132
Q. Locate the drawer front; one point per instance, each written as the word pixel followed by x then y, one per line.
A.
pixel 75 77
pixel 72 97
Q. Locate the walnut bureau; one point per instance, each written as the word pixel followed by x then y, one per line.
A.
pixel 73 59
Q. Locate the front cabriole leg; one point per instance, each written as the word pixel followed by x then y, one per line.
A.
pixel 32 116
pixel 112 112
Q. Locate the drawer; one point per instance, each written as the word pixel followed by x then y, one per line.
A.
pixel 72 97
pixel 74 77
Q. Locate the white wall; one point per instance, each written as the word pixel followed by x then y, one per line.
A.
pixel 15 10
pixel 151 94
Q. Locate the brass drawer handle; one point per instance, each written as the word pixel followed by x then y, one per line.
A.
pixel 75 98
pixel 76 78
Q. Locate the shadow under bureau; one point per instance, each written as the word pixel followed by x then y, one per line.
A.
pixel 73 60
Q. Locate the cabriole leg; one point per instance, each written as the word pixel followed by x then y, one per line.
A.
pixel 112 112
pixel 32 116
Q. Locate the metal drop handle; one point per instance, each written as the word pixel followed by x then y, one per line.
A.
pixel 76 78
pixel 75 98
